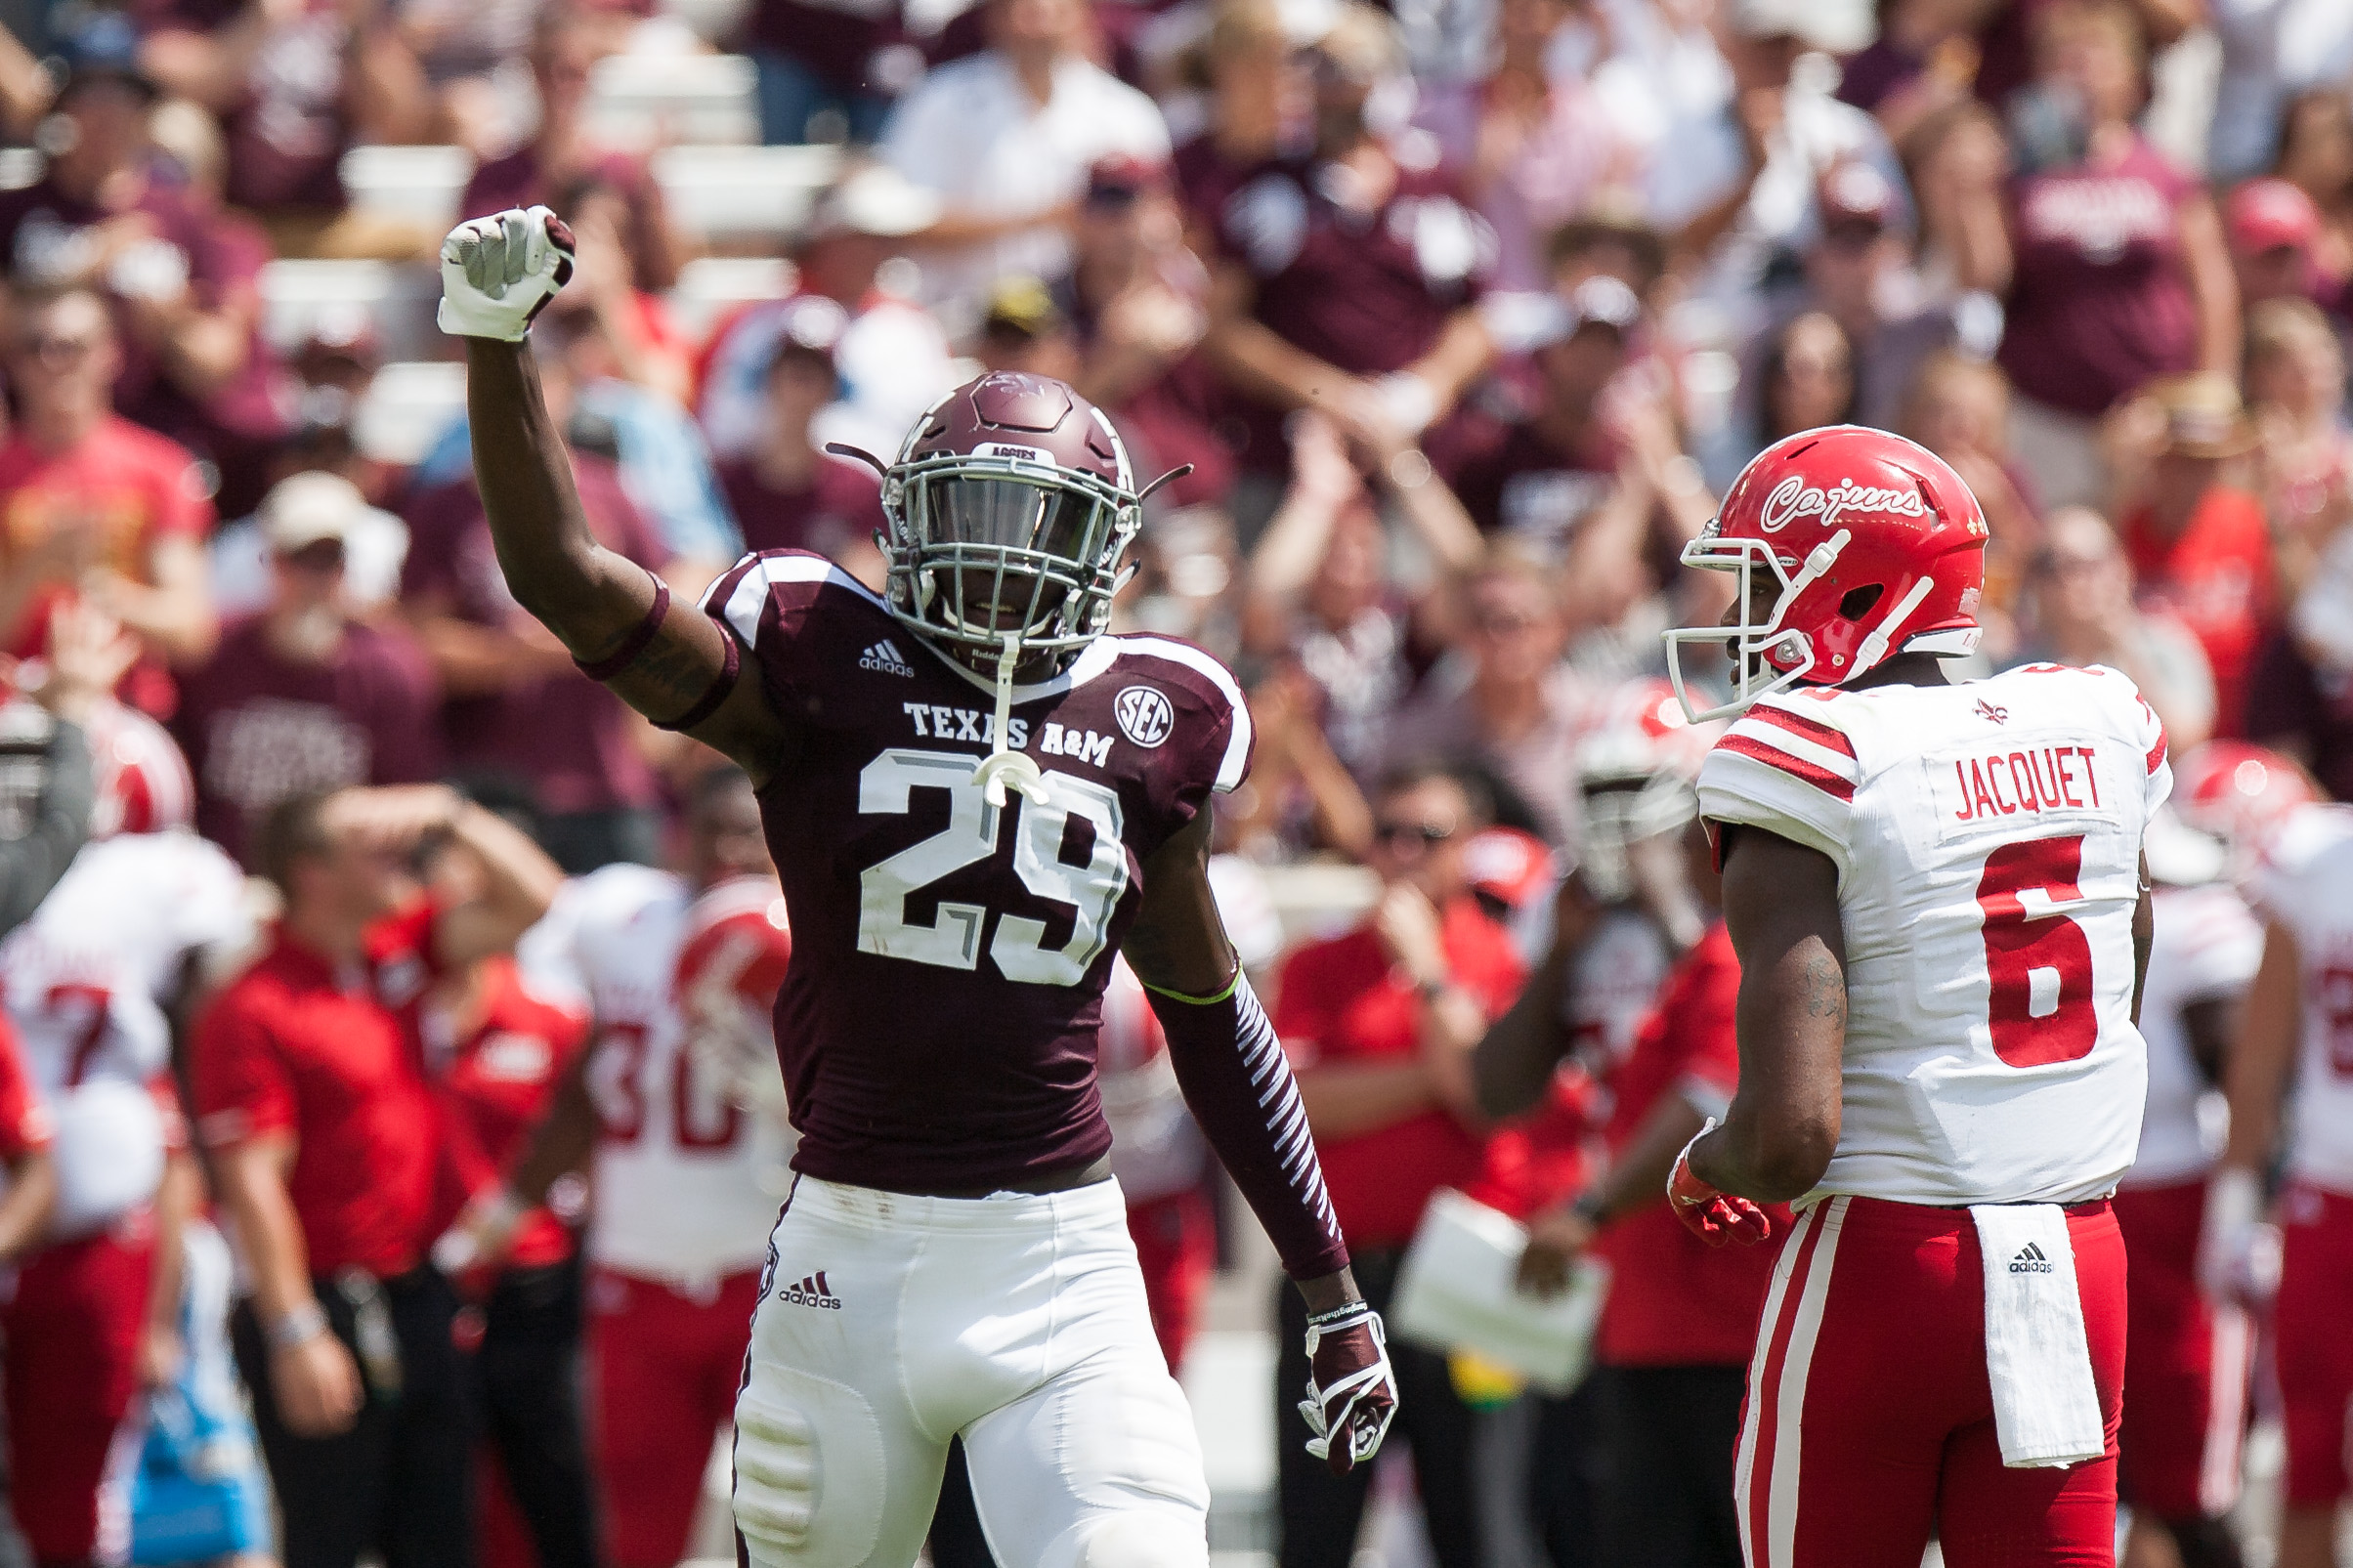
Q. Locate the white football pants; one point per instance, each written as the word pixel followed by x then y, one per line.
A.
pixel 888 1324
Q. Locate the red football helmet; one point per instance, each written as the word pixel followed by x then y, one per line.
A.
pixel 2240 795
pixel 1874 546
pixel 143 785
pixel 1636 768
pixel 731 964
pixel 1008 508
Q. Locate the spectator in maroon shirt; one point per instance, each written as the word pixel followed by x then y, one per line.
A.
pixel 2117 270
pixel 181 277
pixel 565 50
pixel 513 702
pixel 304 696
pixel 788 493
pixel 297 83
pixel 1135 297
pixel 1348 281
pixel 1381 1022
pixel 1258 103
pixel 2316 156
pixel 830 70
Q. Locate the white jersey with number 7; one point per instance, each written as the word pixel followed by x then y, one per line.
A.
pixel 1987 840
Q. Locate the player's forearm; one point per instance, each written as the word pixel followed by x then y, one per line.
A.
pixel 32 1190
pixel 1515 1060
pixel 586 595
pixel 1237 1082
pixel 2262 1059
pixel 561 1142
pixel 253 1189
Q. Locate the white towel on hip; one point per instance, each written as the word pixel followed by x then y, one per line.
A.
pixel 2046 1407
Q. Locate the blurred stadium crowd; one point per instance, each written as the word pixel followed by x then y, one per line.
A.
pixel 1462 313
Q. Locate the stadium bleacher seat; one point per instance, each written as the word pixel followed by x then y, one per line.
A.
pixel 410 404
pixel 646 101
pixel 734 195
pixel 412 185
pixel 398 299
pixel 709 287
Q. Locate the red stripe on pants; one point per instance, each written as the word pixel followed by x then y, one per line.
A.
pixel 1893 1419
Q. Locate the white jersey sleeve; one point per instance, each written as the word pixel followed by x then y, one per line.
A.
pixel 1987 841
pixel 1788 767
pixel 2306 886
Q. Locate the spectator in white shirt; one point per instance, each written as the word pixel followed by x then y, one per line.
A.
pixel 1006 138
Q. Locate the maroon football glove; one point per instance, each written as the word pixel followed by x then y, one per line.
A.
pixel 1352 1393
pixel 1715 1217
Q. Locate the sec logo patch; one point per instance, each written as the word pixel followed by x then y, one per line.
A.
pixel 1144 715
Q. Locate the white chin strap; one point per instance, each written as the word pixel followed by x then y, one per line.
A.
pixel 1004 765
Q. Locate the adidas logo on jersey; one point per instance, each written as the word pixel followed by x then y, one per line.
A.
pixel 811 1292
pixel 2029 1260
pixel 883 659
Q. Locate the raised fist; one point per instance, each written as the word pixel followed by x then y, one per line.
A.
pixel 498 273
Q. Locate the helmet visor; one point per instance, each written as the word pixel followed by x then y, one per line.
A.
pixel 1011 513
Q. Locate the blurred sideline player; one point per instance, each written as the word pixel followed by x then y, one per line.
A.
pixel 98 984
pixel 28 1192
pixel 1575 1025
pixel 686 1164
pixel 1936 895
pixel 2297 1032
pixel 2189 1358
pixel 973 796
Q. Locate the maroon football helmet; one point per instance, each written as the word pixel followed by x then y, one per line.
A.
pixel 1009 507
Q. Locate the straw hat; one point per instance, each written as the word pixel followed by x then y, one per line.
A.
pixel 2204 416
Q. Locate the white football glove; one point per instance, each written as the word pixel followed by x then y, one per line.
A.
pixel 2238 1254
pixel 1351 1393
pixel 498 273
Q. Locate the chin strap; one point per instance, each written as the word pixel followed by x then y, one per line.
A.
pixel 1004 765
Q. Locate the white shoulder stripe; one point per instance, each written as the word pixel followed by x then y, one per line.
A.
pixel 743 609
pixel 1237 747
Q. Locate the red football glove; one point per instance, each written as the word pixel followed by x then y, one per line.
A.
pixel 1352 1393
pixel 1715 1217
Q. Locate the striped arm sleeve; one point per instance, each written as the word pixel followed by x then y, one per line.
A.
pixel 1788 773
pixel 1239 1086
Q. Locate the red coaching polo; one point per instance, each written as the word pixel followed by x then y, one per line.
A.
pixel 293 1045
pixel 24 1120
pixel 1342 1001
pixel 499 1079
pixel 1674 1300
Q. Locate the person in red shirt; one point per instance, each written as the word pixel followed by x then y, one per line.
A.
pixel 1380 1023
pixel 1671 1350
pixel 503 1051
pixel 94 506
pixel 329 1149
pixel 2199 545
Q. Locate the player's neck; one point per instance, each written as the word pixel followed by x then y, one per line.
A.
pixel 1905 669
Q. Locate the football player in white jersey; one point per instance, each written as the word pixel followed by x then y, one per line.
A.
pixel 1936 893
pixel 2296 1029
pixel 95 983
pixel 687 1168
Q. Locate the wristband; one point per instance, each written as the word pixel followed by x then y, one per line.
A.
pixel 299 1327
pixel 1341 1316
pixel 622 658
pixel 713 695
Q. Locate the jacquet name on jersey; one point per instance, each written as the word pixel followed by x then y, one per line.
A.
pixel 2005 783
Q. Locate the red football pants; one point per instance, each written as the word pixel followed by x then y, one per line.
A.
pixel 665 1369
pixel 1869 1420
pixel 72 1370
pixel 2186 1371
pixel 2316 1352
pixel 1176 1246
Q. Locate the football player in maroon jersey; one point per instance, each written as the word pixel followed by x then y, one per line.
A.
pixel 974 796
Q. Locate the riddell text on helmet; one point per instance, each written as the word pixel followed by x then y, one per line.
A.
pixel 1794 498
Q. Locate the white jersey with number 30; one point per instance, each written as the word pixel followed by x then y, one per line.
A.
pixel 687 1180
pixel 1987 840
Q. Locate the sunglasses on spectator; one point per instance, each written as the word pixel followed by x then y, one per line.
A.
pixel 1504 624
pixel 56 350
pixel 1412 836
pixel 2051 563
pixel 319 555
pixel 1852 235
